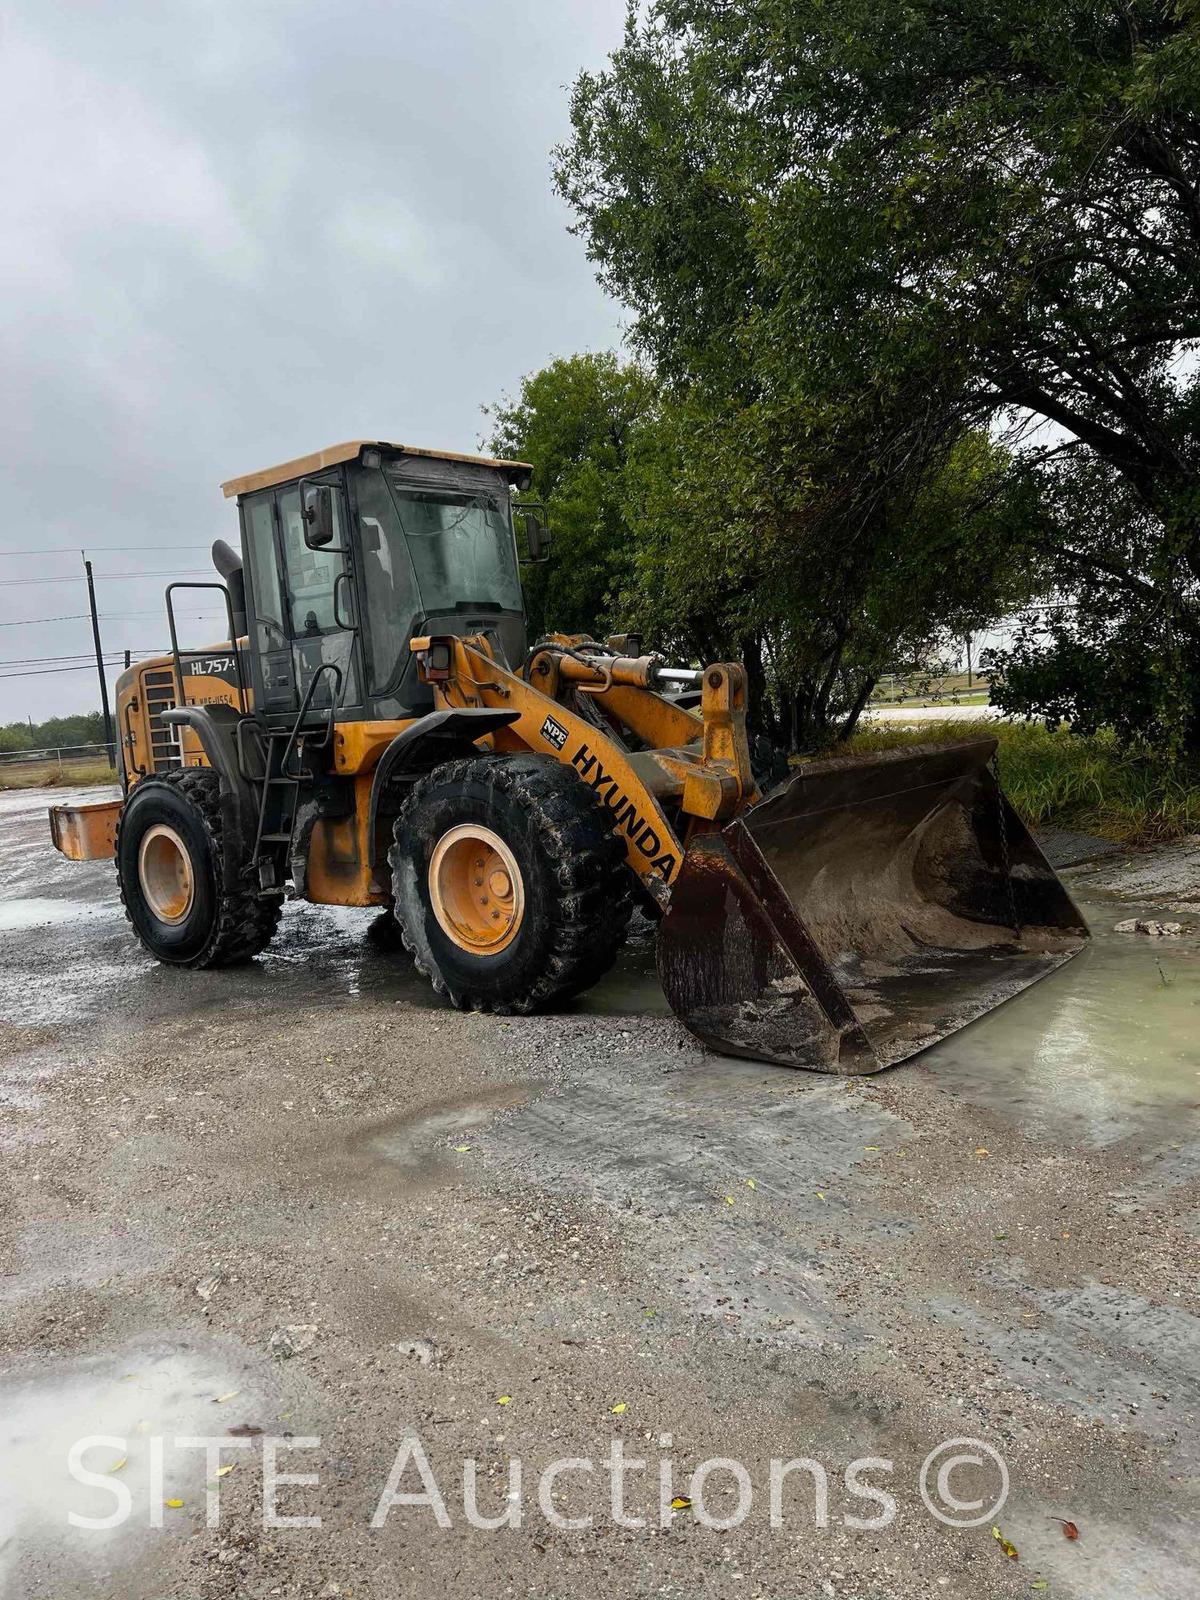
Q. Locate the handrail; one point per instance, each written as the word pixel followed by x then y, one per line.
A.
pixel 130 740
pixel 326 666
pixel 233 642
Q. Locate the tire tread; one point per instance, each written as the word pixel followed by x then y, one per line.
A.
pixel 592 904
pixel 245 924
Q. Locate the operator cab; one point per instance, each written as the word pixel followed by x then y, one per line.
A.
pixel 355 550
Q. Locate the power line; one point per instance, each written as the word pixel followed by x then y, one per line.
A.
pixel 46 672
pixel 78 655
pixel 105 616
pixel 16 583
pixel 30 622
pixel 98 549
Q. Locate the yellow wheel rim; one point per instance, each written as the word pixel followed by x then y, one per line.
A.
pixel 476 889
pixel 165 874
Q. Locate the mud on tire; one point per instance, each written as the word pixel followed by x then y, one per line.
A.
pixel 574 881
pixel 215 924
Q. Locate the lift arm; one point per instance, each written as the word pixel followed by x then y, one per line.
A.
pixel 704 778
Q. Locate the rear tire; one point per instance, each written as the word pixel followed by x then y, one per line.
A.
pixel 512 891
pixel 171 873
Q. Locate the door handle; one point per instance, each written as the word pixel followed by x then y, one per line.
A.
pixel 342 578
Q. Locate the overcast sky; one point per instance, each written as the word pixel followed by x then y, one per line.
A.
pixel 234 231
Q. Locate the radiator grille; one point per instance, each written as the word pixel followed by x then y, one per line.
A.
pixel 165 754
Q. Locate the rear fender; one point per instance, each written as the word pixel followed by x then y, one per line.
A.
pixel 216 728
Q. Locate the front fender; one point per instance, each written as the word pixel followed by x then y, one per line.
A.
pixel 423 745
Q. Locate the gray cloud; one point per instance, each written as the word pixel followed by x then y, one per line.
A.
pixel 234 232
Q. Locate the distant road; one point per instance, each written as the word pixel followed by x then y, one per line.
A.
pixel 933 713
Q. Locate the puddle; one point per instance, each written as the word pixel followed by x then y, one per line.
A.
pixel 1103 1050
pixel 630 989
pixel 16 915
pixel 1100 1051
pixel 149 1391
pixel 352 950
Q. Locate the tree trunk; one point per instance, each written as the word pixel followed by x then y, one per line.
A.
pixel 760 716
pixel 857 709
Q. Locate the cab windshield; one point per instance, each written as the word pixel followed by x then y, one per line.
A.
pixel 461 547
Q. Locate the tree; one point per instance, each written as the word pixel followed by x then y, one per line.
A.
pixel 573 422
pixel 766 533
pixel 1102 651
pixel 762 536
pixel 995 207
pixel 15 736
pixel 83 727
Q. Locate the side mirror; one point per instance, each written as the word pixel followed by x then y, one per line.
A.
pixel 537 535
pixel 317 503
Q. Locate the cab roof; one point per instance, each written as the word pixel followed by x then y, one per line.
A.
pixel 518 473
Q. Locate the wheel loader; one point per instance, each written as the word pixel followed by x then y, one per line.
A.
pixel 377 730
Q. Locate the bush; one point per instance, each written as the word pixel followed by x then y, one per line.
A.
pixel 1059 779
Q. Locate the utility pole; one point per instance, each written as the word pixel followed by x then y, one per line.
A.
pixel 108 726
pixel 970 678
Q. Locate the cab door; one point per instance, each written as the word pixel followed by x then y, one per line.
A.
pixel 272 670
pixel 319 600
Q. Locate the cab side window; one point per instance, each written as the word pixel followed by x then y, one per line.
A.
pixel 311 573
pixel 264 572
pixel 391 592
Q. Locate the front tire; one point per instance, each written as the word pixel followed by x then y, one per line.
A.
pixel 170 869
pixel 512 891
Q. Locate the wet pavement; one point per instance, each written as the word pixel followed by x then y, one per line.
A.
pixel 996 1240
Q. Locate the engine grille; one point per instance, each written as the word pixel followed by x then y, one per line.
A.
pixel 165 753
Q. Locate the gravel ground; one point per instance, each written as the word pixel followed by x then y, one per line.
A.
pixel 304 1198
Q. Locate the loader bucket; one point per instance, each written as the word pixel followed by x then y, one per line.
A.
pixel 862 911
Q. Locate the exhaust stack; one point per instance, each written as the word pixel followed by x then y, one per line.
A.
pixel 229 566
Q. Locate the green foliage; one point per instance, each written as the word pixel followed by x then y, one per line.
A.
pixel 763 536
pixel 574 422
pixel 85 727
pixel 1113 648
pixel 762 532
pixel 903 219
pixel 1055 778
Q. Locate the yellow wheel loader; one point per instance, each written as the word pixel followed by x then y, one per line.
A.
pixel 378 731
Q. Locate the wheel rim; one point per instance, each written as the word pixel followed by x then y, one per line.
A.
pixel 476 889
pixel 165 874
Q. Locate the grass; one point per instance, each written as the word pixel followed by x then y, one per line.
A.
pixel 931 690
pixel 1057 779
pixel 48 774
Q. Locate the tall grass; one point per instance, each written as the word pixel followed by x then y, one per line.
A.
pixel 1060 779
pixel 48 775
